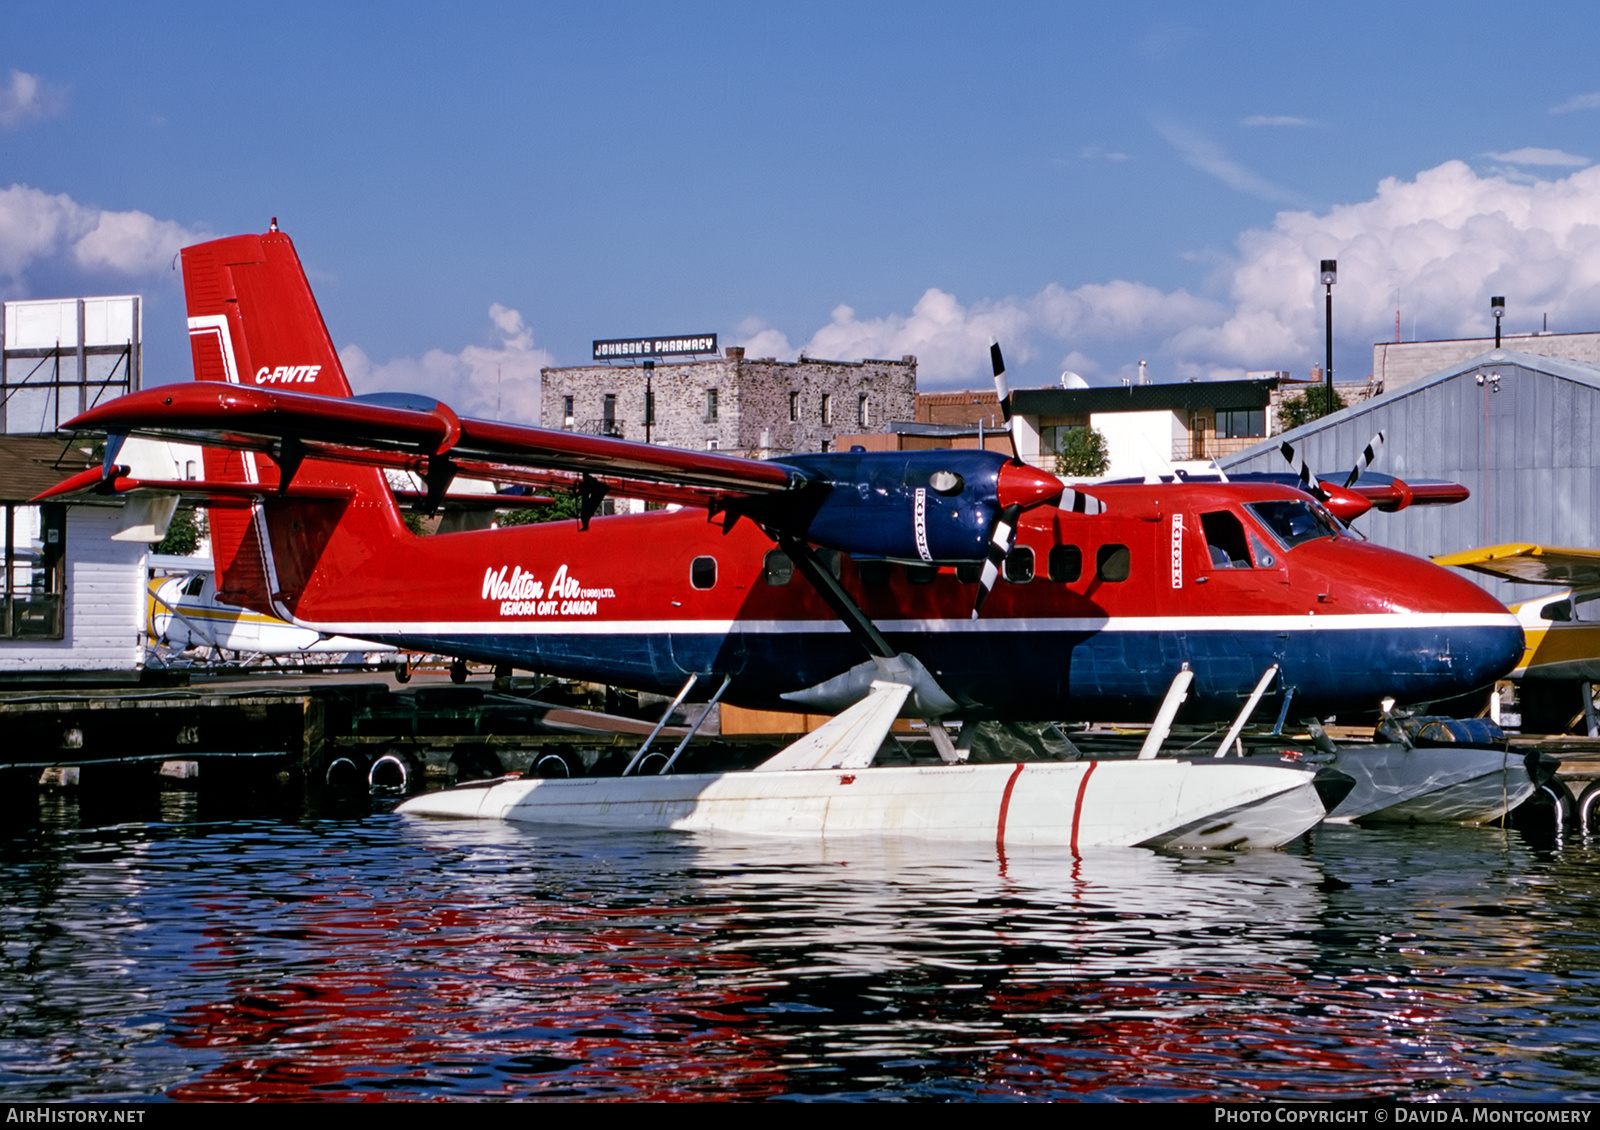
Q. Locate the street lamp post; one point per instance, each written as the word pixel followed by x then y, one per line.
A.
pixel 1497 307
pixel 1330 271
pixel 649 399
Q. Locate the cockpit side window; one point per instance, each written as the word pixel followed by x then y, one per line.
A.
pixel 1294 522
pixel 1586 608
pixel 1225 540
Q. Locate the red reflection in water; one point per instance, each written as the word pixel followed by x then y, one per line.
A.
pixel 1195 1036
pixel 547 1000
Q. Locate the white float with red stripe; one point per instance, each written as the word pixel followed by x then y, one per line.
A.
pixel 824 785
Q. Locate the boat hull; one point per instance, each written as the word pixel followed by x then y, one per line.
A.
pixel 1443 785
pixel 1158 803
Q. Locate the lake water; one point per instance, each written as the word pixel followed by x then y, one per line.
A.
pixel 162 946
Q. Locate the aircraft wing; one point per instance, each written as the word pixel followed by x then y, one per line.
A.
pixel 418 434
pixel 1531 564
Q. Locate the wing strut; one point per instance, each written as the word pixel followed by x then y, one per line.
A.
pixel 727 681
pixel 829 588
pixel 665 714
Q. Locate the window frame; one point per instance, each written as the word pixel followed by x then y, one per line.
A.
pixel 52 566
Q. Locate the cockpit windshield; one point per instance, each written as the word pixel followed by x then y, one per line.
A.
pixel 1295 522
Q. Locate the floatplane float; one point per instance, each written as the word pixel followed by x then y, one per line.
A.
pixel 950 586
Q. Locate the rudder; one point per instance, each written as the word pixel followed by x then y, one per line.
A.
pixel 253 321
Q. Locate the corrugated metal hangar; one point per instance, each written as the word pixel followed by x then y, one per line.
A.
pixel 1518 430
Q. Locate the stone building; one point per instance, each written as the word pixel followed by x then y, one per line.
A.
pixel 762 408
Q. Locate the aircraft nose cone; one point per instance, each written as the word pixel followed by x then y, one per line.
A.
pixel 1025 486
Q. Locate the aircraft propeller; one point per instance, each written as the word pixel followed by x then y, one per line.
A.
pixel 1003 535
pixel 1343 502
pixel 1365 460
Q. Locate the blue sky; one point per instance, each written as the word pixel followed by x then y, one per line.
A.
pixel 484 191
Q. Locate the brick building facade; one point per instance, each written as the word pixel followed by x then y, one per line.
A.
pixel 761 408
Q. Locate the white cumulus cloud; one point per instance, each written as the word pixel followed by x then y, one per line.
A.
pixel 1437 246
pixel 495 381
pixel 41 229
pixel 27 98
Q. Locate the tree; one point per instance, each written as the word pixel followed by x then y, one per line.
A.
pixel 564 507
pixel 1312 404
pixel 183 535
pixel 1082 453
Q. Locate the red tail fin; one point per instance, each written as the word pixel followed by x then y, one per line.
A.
pixel 254 321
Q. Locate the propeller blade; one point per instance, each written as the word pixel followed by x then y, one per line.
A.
pixel 1000 541
pixel 1308 482
pixel 1365 460
pixel 1002 390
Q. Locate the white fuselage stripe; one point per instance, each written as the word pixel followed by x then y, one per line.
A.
pixel 1388 621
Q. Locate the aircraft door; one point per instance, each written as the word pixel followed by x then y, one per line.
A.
pixel 699 640
pixel 1238 575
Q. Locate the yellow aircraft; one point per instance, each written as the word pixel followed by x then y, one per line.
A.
pixel 1561 650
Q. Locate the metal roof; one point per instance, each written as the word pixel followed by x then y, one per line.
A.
pixel 1520 431
pixel 1181 397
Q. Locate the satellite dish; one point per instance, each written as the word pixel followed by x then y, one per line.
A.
pixel 1069 379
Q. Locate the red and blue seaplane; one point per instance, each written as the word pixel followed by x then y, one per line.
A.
pixel 943 585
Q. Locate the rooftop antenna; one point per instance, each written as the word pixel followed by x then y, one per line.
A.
pixel 1144 376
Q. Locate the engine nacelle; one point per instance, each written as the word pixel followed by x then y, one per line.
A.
pixel 937 507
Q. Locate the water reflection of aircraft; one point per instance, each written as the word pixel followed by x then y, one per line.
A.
pixel 1561 659
pixel 816 576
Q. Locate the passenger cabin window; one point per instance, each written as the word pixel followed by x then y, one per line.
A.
pixel 703 572
pixel 1065 563
pixel 1295 522
pixel 1113 563
pixel 778 569
pixel 1225 539
pixel 1019 565
pixel 921 574
pixel 874 573
pixel 195 586
pixel 969 573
